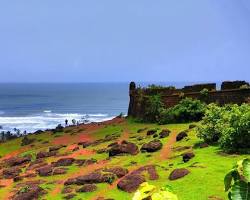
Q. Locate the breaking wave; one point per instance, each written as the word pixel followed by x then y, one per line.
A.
pixel 47 120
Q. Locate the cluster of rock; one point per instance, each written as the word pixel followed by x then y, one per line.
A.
pixel 13 168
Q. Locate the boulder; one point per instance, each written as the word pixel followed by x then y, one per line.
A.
pixel 181 135
pixel 59 171
pixel 63 162
pixel 151 132
pixel 96 177
pixel 187 156
pixel 150 169
pixel 123 148
pixel 45 171
pixel 118 171
pixel 29 193
pixel 152 146
pixel 67 190
pixel 178 173
pixel 56 148
pixel 11 172
pixel 38 163
pixel 164 133
pixel 70 181
pixel 131 183
pixel 87 188
pixel 44 154
pixel 14 161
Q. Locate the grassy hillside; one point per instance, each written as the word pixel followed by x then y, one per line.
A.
pixel 205 180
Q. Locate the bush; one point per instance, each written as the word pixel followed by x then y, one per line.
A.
pixel 208 130
pixel 186 111
pixel 228 125
pixel 154 107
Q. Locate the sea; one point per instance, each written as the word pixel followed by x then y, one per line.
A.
pixel 28 107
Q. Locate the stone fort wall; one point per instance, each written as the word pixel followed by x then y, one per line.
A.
pixel 236 92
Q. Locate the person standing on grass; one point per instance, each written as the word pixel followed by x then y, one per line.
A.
pixel 66 122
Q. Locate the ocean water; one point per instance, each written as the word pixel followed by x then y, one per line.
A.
pixel 30 107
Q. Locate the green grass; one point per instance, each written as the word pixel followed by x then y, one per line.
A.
pixel 207 168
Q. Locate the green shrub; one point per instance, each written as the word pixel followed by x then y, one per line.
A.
pixel 153 108
pixel 209 130
pixel 237 181
pixel 228 125
pixel 186 111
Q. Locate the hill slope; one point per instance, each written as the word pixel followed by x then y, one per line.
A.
pixel 88 158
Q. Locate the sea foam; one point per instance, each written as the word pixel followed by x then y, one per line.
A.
pixel 47 120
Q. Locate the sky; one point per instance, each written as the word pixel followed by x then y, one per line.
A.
pixel 121 41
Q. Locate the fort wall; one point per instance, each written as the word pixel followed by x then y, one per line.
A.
pixel 236 92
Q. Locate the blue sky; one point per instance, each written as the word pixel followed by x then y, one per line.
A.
pixel 142 40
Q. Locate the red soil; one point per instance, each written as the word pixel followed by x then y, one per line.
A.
pixel 167 148
pixel 124 136
pixel 14 153
pixel 85 135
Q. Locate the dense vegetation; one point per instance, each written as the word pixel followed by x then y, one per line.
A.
pixel 186 111
pixel 229 126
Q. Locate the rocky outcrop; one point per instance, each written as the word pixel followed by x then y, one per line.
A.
pixel 14 161
pixel 45 171
pixel 118 171
pixel 59 171
pixel 29 193
pixel 11 172
pixel 131 182
pixel 94 177
pixel 151 132
pixel 63 162
pixel 124 148
pixel 187 156
pixel 164 133
pixel 178 173
pixel 44 154
pixel 152 146
pixel 56 148
pixel 181 136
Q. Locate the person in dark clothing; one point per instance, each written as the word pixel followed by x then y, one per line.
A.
pixel 66 122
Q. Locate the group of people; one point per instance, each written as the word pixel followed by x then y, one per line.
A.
pixel 74 122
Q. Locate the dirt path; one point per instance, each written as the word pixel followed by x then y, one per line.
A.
pixel 167 148
pixel 164 155
pixel 124 136
pixel 80 172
